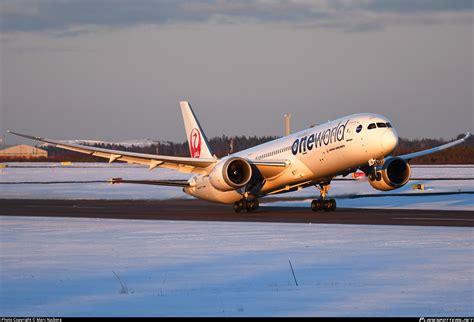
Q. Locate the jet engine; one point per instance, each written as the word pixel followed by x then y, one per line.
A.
pixel 231 174
pixel 394 173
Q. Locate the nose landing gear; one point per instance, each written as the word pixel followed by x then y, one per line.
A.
pixel 374 174
pixel 322 203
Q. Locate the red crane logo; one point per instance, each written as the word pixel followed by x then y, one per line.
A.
pixel 195 143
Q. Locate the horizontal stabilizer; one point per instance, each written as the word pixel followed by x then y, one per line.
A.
pixel 170 183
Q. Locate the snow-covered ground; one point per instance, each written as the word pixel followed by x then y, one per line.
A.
pixel 43 172
pixel 127 143
pixel 67 267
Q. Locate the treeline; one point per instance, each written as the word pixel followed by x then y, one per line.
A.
pixel 224 145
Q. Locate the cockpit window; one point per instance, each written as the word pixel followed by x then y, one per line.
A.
pixel 371 126
pixel 389 125
pixel 380 124
pixel 359 128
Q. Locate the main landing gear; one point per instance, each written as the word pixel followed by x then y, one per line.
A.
pixel 322 203
pixel 250 204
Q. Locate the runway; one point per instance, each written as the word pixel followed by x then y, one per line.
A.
pixel 196 210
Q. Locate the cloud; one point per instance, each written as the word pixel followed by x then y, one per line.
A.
pixel 63 15
pixel 417 6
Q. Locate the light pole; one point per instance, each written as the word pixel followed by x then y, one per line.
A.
pixel 287 118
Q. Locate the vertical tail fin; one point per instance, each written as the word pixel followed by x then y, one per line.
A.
pixel 198 145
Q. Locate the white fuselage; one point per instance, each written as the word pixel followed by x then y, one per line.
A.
pixel 315 155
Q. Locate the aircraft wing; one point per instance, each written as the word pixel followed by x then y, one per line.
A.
pixel 182 164
pixel 410 156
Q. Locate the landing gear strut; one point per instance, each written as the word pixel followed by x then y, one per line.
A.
pixel 322 203
pixel 374 174
pixel 250 204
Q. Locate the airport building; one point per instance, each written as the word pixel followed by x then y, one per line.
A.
pixel 23 151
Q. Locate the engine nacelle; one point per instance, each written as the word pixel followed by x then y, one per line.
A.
pixel 395 173
pixel 231 174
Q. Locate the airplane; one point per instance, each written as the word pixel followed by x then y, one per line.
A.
pixel 311 157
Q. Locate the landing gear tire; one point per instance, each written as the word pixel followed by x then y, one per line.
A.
pixel 256 204
pixel 252 205
pixel 329 205
pixel 326 205
pixel 317 205
pixel 238 206
pixel 322 203
pixel 249 205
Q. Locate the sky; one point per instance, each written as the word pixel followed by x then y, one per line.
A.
pixel 116 69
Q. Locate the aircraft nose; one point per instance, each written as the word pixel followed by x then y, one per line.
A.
pixel 389 141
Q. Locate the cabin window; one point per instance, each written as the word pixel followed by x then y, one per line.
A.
pixel 371 126
pixel 381 124
pixel 359 128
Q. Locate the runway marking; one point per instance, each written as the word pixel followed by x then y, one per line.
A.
pixel 73 206
pixel 446 219
pixel 84 207
pixel 39 206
